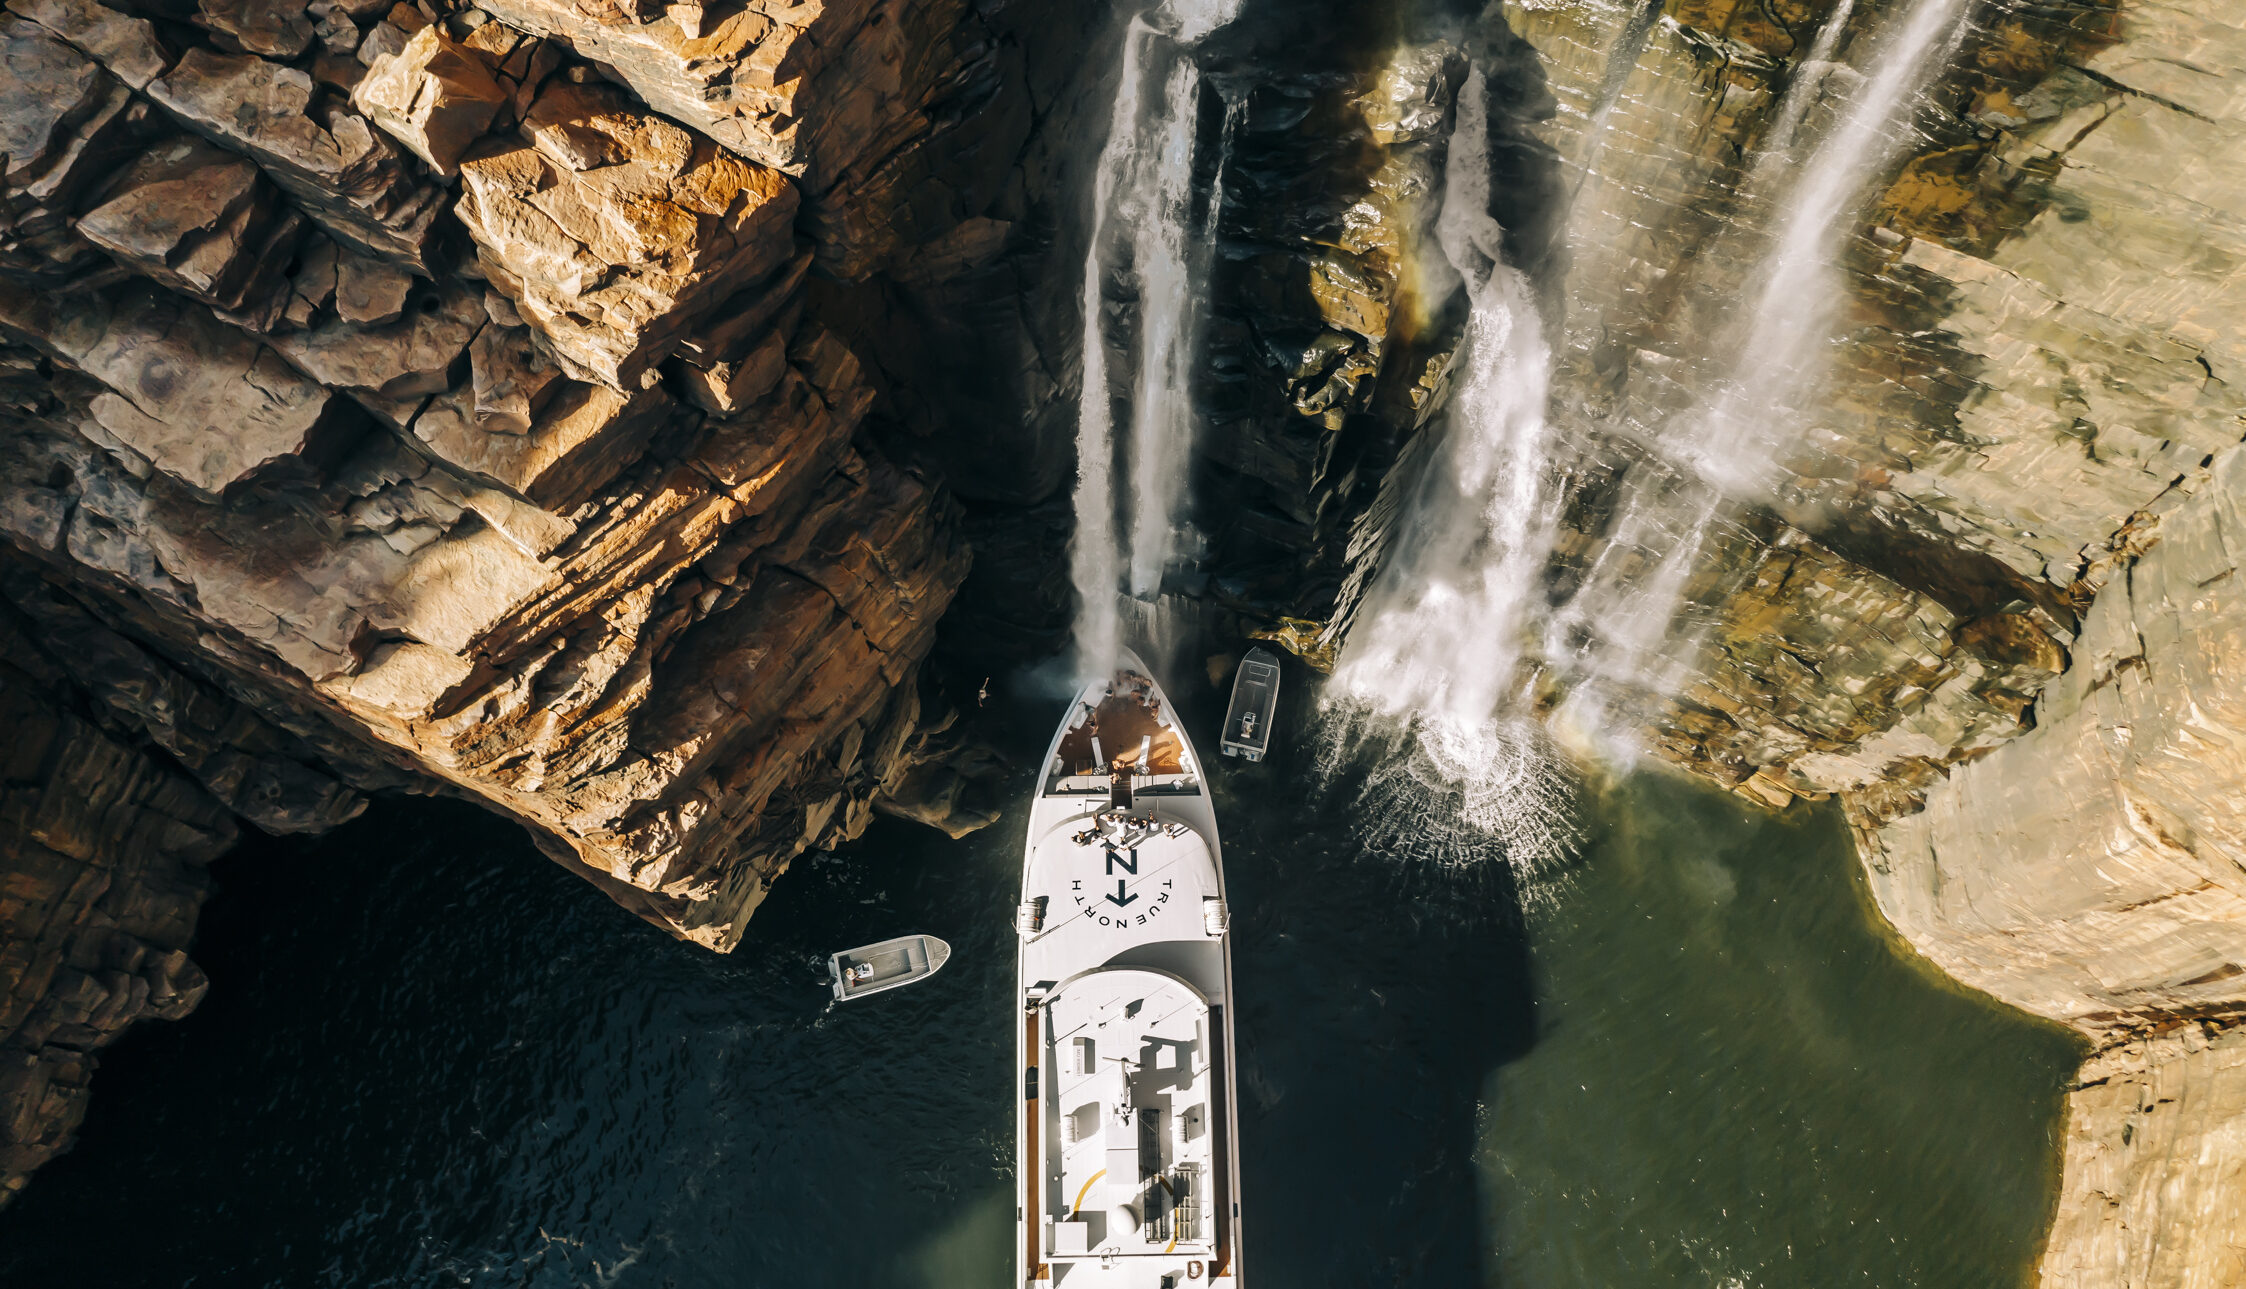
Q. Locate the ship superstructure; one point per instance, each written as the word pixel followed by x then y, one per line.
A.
pixel 1127 1139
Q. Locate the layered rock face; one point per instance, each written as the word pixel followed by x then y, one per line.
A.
pixel 1991 600
pixel 2090 871
pixel 123 778
pixel 102 857
pixel 1322 332
pixel 1322 133
pixel 2155 1189
pixel 431 398
pixel 575 525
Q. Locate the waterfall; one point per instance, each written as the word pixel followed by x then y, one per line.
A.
pixel 1434 676
pixel 1142 203
pixel 1441 630
pixel 1618 631
pixel 1438 643
pixel 1801 90
pixel 1792 319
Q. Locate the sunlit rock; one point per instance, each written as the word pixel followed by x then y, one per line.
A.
pixel 194 398
pixel 350 179
pixel 797 87
pixel 576 438
pixel 389 368
pixel 203 222
pixel 434 95
pixel 613 231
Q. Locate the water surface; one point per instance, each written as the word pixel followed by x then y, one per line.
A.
pixel 1739 1081
pixel 431 1058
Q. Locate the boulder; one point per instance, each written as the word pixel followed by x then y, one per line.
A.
pixel 435 96
pixel 312 285
pixel 271 28
pixel 512 378
pixel 128 47
pixel 183 392
pixel 803 88
pixel 63 123
pixel 349 178
pixel 582 436
pixel 614 231
pixel 728 386
pixel 203 222
pixel 369 293
pixel 391 369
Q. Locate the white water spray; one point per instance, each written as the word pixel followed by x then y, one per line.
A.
pixel 1439 641
pixel 1142 199
pixel 1441 631
pixel 1619 631
pixel 1438 649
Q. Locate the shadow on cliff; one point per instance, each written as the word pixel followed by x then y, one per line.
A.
pixel 430 1058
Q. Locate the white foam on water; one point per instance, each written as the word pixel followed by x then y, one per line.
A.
pixel 1449 795
pixel 1433 664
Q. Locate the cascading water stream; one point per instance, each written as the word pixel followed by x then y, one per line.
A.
pixel 1437 645
pixel 1777 360
pixel 1440 633
pixel 1777 149
pixel 1436 655
pixel 1162 243
pixel 1617 631
pixel 1093 555
pixel 1142 199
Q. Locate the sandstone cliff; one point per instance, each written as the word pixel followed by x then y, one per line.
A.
pixel 428 397
pixel 1991 599
pixel 1985 595
pixel 564 406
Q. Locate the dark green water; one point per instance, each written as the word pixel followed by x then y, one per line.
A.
pixel 431 1058
pixel 1737 1082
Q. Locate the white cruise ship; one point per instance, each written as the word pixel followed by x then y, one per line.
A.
pixel 1128 1146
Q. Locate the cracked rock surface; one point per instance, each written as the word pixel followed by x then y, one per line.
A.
pixel 395 397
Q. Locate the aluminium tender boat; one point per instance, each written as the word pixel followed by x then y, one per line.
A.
pixel 1255 701
pixel 1127 1138
pixel 887 965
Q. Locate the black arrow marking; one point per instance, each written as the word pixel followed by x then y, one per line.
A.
pixel 1119 899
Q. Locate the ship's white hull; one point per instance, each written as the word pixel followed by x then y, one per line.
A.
pixel 1126 1123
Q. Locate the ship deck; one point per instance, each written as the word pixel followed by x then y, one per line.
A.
pixel 1132 896
pixel 1128 1171
pixel 1128 1167
pixel 1128 736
